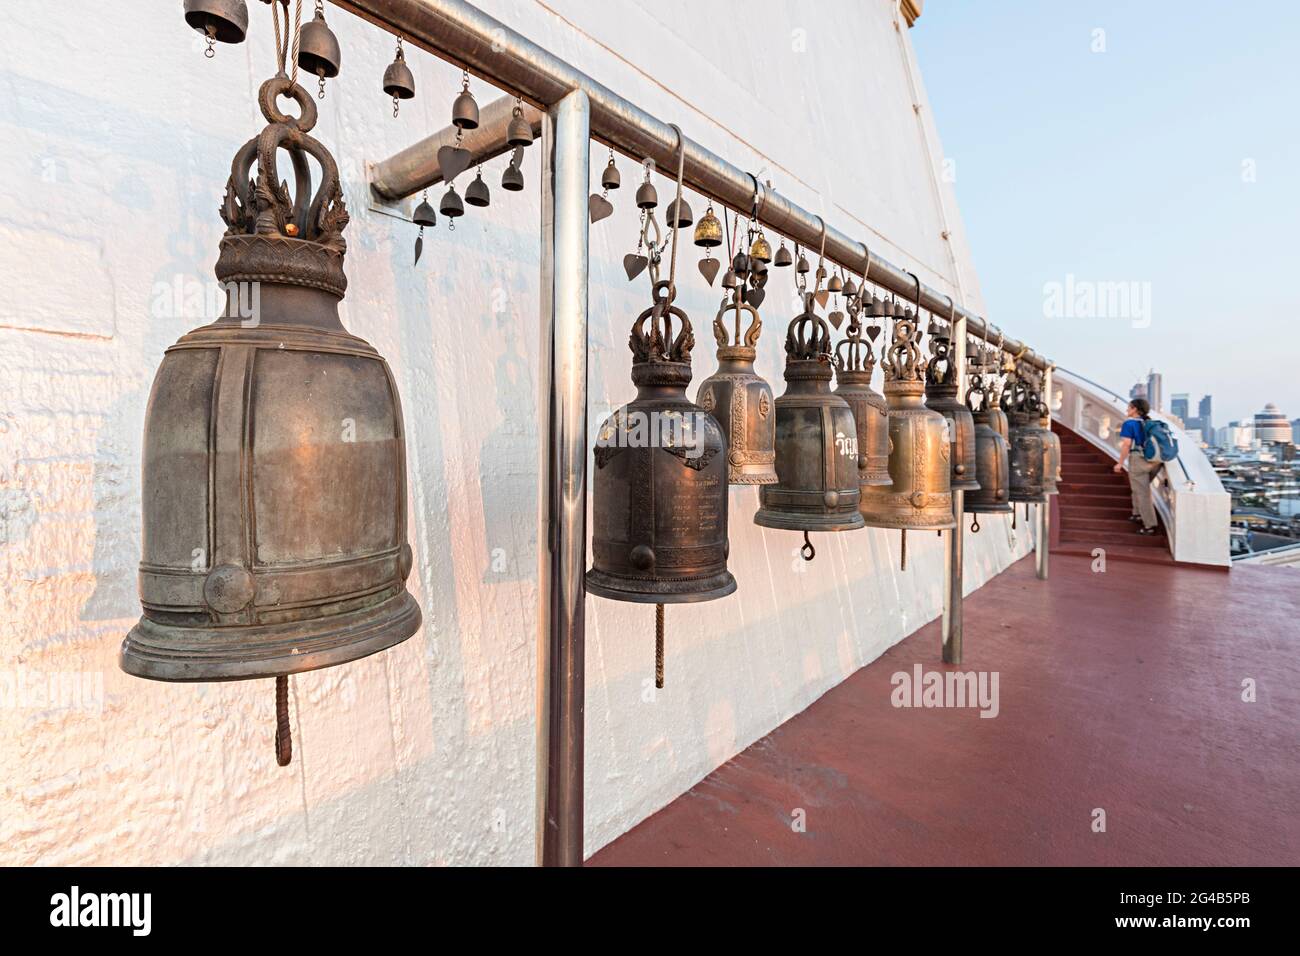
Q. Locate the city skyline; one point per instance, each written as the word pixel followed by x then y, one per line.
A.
pixel 1176 208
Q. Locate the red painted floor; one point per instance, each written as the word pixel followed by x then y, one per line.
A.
pixel 1120 691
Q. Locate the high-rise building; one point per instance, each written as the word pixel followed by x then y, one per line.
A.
pixel 1155 391
pixel 1206 415
pixel 1271 425
pixel 1138 391
pixel 1179 406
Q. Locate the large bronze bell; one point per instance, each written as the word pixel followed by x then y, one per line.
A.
pixel 659 513
pixel 920 494
pixel 854 364
pixel 1027 446
pixel 740 399
pixel 274 477
pixel 941 395
pixel 816 440
pixel 225 21
pixel 992 466
pixel 1052 449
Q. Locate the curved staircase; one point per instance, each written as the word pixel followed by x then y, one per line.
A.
pixel 1093 508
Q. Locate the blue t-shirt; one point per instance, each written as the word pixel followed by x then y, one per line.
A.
pixel 1135 430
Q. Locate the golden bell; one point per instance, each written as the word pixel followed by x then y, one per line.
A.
pixel 854 364
pixel 919 496
pixel 816 440
pixel 740 399
pixel 761 250
pixel 708 231
pixel 941 396
pixel 992 466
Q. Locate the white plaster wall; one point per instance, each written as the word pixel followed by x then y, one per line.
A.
pixel 117 143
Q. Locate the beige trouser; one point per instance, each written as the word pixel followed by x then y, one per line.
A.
pixel 1140 473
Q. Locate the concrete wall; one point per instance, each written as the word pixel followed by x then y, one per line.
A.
pixel 118 138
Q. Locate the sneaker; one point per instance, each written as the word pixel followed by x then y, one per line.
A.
pixel 1136 519
pixel 1148 531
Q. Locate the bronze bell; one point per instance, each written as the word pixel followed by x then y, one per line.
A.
pixel 992 466
pixel 423 215
pixel 646 197
pixel 225 21
pixel 920 494
pixel 708 231
pixel 740 399
pixel 464 110
pixel 399 81
pixel 476 193
pixel 318 48
pixel 1027 446
pixel 610 179
pixel 761 250
pixel 816 440
pixel 451 205
pixel 782 257
pixel 854 364
pixel 512 179
pixel 678 214
pixel 274 478
pixel 659 493
pixel 1052 450
pixel 941 396
pixel 520 131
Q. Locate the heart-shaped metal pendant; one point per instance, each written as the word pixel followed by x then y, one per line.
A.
pixel 634 265
pixel 452 161
pixel 836 319
pixel 822 298
pixel 872 331
pixel 755 297
pixel 709 269
pixel 598 208
pixel 419 248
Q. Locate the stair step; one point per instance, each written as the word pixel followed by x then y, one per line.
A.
pixel 1119 553
pixel 1069 510
pixel 1080 523
pixel 1104 539
pixel 1097 501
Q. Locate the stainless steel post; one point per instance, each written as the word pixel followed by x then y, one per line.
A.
pixel 1044 525
pixel 566 131
pixel 952 590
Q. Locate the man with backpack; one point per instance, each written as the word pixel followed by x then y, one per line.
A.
pixel 1146 444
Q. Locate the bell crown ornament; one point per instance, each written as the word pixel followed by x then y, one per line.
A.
pixel 274 463
pixel 816 439
pixel 738 397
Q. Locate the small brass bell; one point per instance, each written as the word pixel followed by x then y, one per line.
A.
pixel 740 265
pixel 451 206
pixel 399 82
pixel 476 193
pixel 920 494
pixel 512 179
pixel 678 215
pixel 730 279
pixel 225 21
pixel 992 465
pixel 941 396
pixel 854 364
pixel 782 257
pixel 803 268
pixel 835 284
pixel 646 197
pixel 318 49
pixel 274 460
pixel 708 231
pixel 816 440
pixel 520 131
pixel 761 250
pixel 740 399
pixel 464 110
pixel 423 215
pixel 610 179
pixel 850 287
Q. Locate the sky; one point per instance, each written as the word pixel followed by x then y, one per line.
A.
pixel 1129 178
